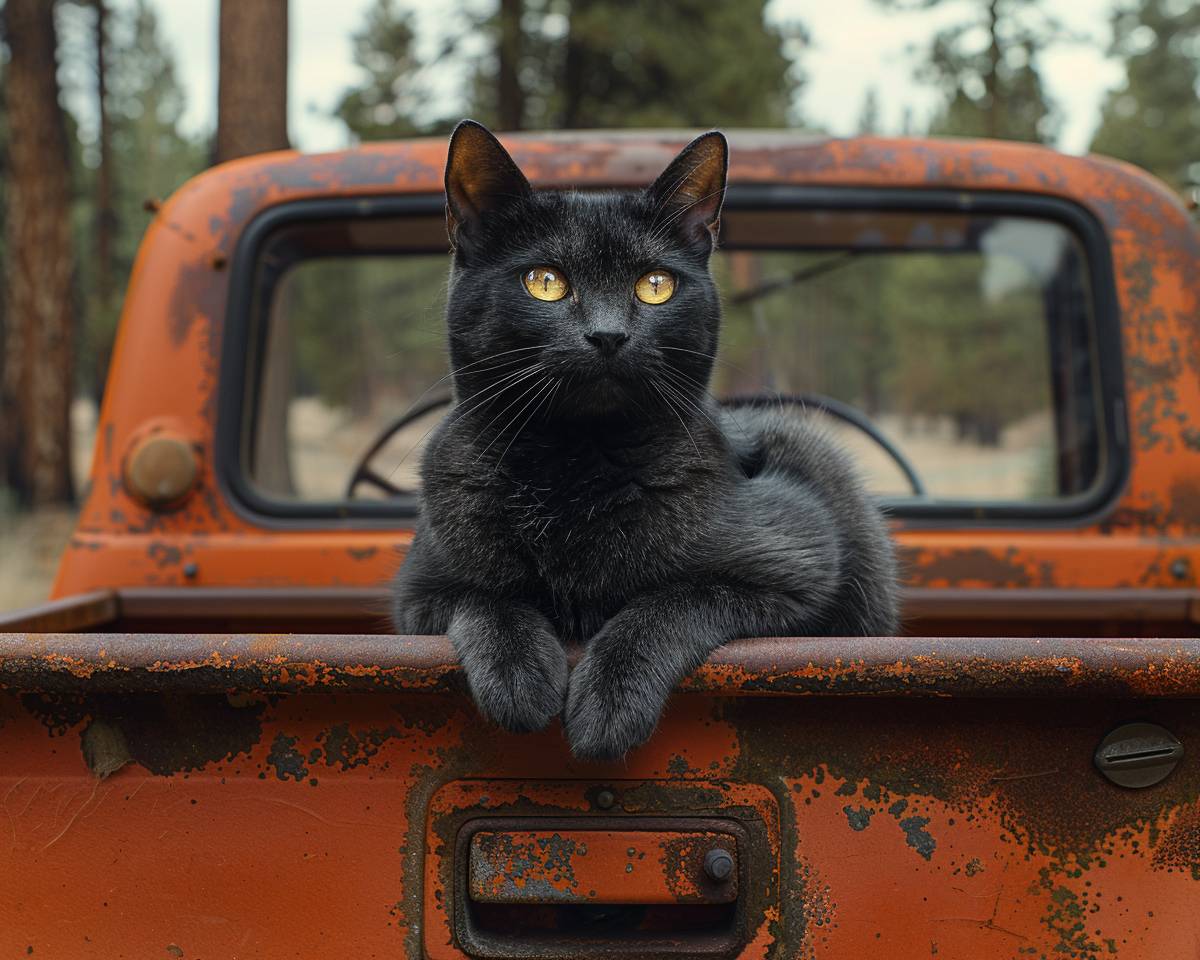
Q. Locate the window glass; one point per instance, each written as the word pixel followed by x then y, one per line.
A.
pixel 964 343
pixel 353 343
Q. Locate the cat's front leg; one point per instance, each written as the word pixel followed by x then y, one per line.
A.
pixel 515 665
pixel 621 684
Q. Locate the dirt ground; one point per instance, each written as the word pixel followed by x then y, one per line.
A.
pixel 32 541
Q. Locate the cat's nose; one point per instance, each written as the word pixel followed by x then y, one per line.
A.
pixel 607 342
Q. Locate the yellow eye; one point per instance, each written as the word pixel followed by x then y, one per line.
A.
pixel 655 287
pixel 546 283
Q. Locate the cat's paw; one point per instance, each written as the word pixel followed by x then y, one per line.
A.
pixel 522 691
pixel 609 712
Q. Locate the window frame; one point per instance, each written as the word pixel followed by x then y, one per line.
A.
pixel 238 383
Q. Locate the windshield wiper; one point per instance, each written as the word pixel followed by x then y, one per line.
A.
pixel 804 274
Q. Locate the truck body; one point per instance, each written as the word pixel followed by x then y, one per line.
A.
pixel 213 746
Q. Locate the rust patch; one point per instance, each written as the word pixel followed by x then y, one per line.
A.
pixel 917 837
pixel 1179 847
pixel 526 868
pixel 286 760
pixel 164 554
pixel 1033 767
pixel 347 749
pixel 1185 504
pixel 966 568
pixel 597 866
pixel 859 818
pixel 166 735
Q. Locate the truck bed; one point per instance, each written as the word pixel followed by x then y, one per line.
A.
pixel 276 795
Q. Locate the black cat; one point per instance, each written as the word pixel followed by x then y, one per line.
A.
pixel 587 489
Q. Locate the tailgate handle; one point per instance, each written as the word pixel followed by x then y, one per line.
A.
pixel 602 867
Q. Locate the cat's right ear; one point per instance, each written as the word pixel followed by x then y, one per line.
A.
pixel 480 176
pixel 689 193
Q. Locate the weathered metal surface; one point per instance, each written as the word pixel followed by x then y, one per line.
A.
pixel 164 368
pixel 942 611
pixel 1150 611
pixel 597 866
pixel 276 826
pixel 746 814
pixel 992 667
pixel 81 611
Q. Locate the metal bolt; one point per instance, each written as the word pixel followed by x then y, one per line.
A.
pixel 1138 755
pixel 718 865
pixel 605 799
pixel 190 569
pixel 1180 568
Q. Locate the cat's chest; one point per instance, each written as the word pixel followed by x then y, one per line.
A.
pixel 582 517
pixel 589 510
pixel 581 498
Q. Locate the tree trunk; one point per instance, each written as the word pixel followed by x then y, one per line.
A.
pixel 512 97
pixel 106 213
pixel 991 80
pixel 35 434
pixel 574 68
pixel 252 78
pixel 252 118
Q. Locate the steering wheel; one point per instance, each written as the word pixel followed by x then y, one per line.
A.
pixel 363 474
pixel 839 411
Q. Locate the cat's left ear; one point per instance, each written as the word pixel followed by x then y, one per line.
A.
pixel 480 176
pixel 689 193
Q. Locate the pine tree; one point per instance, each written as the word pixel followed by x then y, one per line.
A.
pixel 384 107
pixel 149 158
pixel 1153 118
pixel 644 63
pixel 868 118
pixel 993 89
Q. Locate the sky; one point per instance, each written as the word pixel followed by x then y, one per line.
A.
pixel 855 46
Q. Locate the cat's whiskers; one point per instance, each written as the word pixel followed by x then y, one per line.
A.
pixel 538 384
pixel 474 402
pixel 686 382
pixel 680 390
pixel 667 400
pixel 721 360
pixel 542 398
pixel 495 356
pixel 630 397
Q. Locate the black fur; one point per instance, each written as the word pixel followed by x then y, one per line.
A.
pixel 577 495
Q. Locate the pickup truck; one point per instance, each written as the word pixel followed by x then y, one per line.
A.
pixel 211 746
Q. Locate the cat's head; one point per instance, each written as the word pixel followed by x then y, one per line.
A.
pixel 585 303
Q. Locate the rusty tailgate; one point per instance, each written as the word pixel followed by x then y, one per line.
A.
pixel 274 796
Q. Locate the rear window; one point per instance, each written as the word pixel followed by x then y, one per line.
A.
pixel 958 354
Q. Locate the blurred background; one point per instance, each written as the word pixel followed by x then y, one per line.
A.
pixel 107 106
